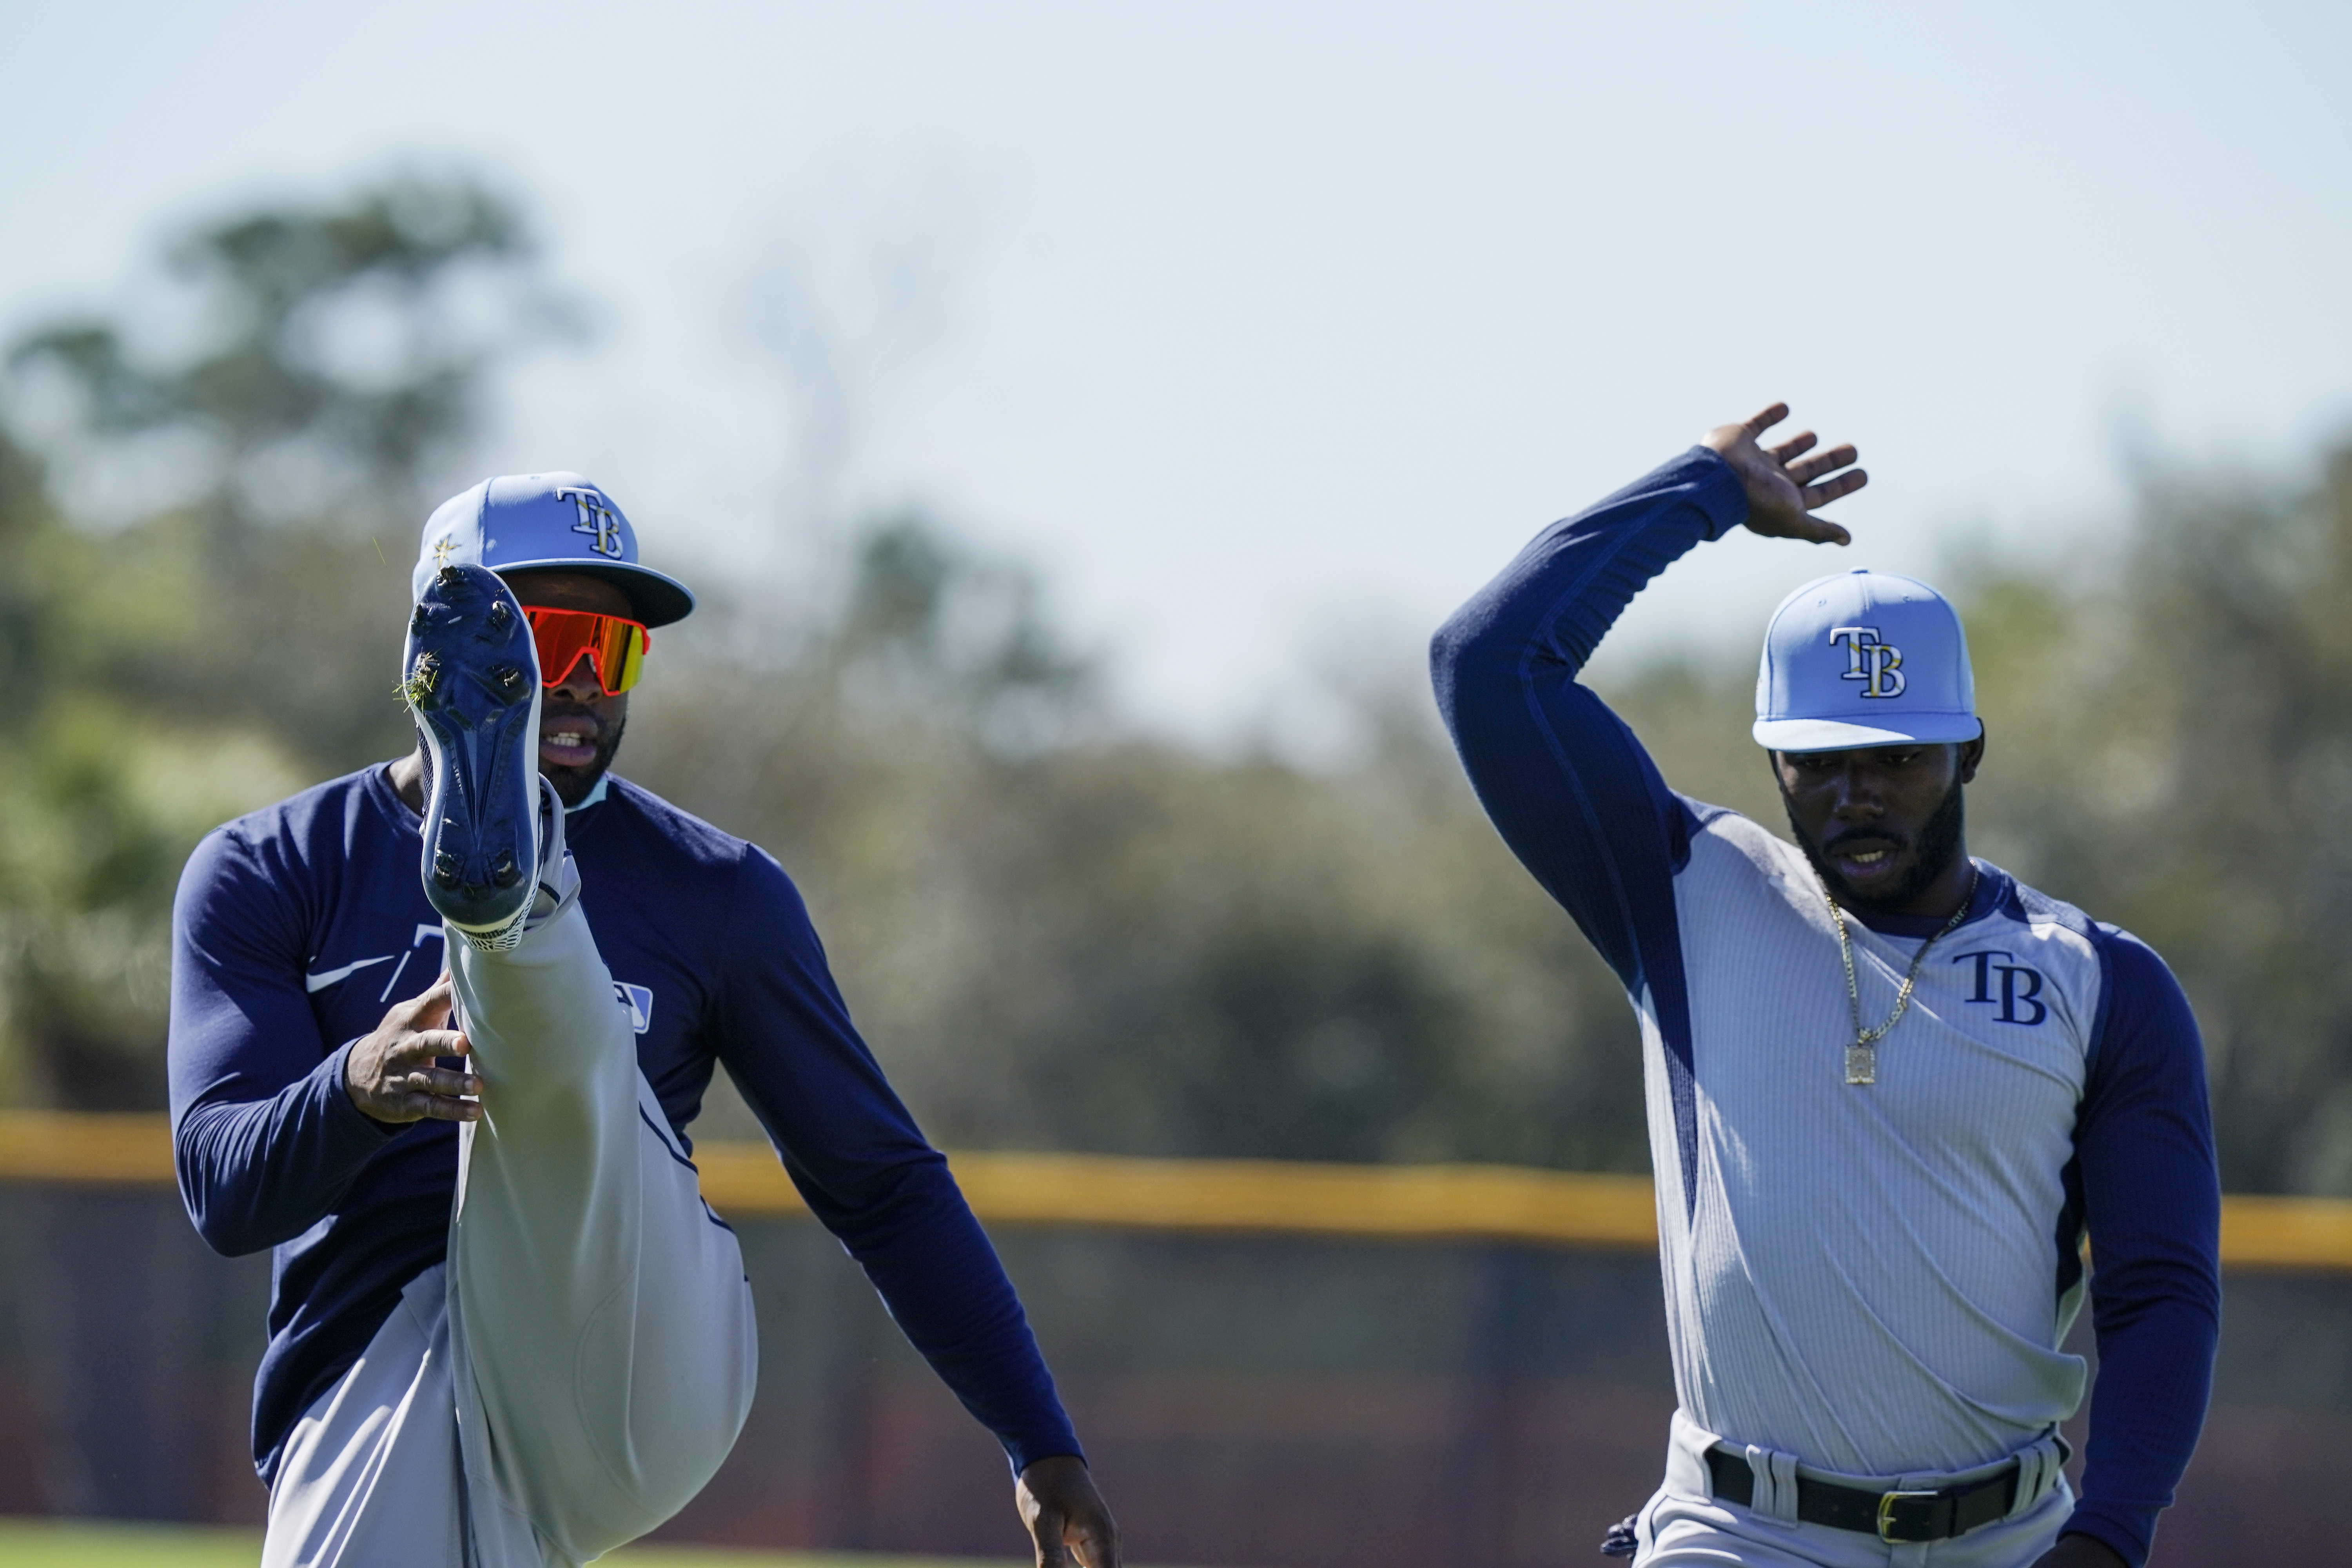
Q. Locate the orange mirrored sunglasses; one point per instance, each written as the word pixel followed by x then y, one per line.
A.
pixel 613 646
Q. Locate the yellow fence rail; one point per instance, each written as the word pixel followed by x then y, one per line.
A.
pixel 1403 1203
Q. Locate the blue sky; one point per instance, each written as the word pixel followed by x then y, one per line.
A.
pixel 1270 330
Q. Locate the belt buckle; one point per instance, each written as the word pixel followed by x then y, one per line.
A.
pixel 1889 1525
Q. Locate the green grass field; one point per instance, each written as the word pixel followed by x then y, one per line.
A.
pixel 51 1544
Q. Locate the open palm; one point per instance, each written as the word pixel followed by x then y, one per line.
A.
pixel 1784 485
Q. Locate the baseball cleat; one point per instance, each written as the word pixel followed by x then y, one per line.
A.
pixel 470 677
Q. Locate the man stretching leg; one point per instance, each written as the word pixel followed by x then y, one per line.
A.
pixel 505 1329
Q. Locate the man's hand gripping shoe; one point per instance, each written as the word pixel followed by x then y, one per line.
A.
pixel 470 677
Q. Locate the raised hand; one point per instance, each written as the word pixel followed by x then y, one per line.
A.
pixel 390 1075
pixel 1068 1521
pixel 1785 486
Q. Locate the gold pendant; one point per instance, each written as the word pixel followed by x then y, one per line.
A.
pixel 1861 1063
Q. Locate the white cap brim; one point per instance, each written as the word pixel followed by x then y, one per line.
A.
pixel 1837 735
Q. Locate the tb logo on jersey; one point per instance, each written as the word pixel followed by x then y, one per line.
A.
pixel 1877 665
pixel 2020 987
pixel 597 519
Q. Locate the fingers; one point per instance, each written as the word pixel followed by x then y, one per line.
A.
pixel 1066 1518
pixel 428 1090
pixel 421 1047
pixel 1814 530
pixel 1764 419
pixel 432 1094
pixel 1062 1539
pixel 1097 1542
pixel 441 1107
pixel 415 1087
pixel 1813 467
pixel 1046 1529
pixel 1845 484
pixel 1792 448
pixel 416 1105
pixel 445 1082
pixel 430 1007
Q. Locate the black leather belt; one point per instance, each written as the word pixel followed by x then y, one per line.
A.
pixel 1890 1516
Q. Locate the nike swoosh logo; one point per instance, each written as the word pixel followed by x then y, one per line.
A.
pixel 314 984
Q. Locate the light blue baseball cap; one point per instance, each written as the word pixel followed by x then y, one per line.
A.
pixel 558 520
pixel 1865 659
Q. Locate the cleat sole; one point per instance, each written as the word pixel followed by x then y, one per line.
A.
pixel 473 690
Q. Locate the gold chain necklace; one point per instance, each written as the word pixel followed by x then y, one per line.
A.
pixel 1862 1056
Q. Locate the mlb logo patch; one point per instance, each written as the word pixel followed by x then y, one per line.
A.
pixel 639 1001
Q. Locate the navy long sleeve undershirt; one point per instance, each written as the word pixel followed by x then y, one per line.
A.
pixel 298 927
pixel 1580 802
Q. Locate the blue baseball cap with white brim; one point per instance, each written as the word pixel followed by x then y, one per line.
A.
pixel 558 521
pixel 1865 659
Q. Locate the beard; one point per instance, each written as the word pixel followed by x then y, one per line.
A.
pixel 572 784
pixel 1939 845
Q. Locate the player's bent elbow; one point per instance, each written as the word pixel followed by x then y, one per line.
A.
pixel 229 1238
pixel 229 1225
pixel 1451 647
pixel 229 1219
pixel 1458 656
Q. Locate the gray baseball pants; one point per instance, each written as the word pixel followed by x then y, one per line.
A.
pixel 1685 1527
pixel 580 1366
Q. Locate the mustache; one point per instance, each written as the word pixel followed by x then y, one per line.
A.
pixel 1897 842
pixel 1937 842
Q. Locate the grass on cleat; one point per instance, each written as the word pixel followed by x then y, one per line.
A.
pixel 417 689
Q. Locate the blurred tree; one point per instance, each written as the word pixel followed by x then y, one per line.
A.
pixel 935 632
pixel 105 797
pixel 228 646
pixel 342 353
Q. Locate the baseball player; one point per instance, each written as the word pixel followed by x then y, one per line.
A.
pixel 1889 1086
pixel 437 1030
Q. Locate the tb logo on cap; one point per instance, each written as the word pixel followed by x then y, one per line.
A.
pixel 596 519
pixel 1879 666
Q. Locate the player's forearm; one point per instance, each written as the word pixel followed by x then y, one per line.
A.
pixel 868 1175
pixel 1553 767
pixel 1557 600
pixel 2157 1312
pixel 2144 1142
pixel 949 1294
pixel 259 1173
pixel 2144 1419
